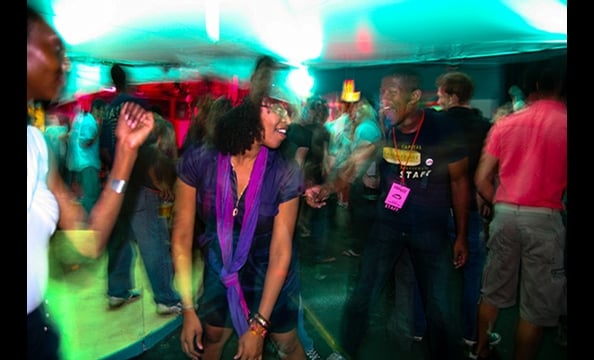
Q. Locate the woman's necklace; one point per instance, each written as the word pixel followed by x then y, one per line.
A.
pixel 235 209
pixel 240 195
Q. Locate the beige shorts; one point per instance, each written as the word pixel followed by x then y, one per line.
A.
pixel 526 247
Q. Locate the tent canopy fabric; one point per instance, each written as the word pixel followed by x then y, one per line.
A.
pixel 179 40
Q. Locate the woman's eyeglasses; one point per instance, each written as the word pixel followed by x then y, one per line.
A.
pixel 280 108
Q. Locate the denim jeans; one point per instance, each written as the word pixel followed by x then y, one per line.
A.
pixel 151 233
pixel 472 273
pixel 362 204
pixel 407 316
pixel 420 322
pixel 471 283
pixel 431 258
pixel 318 223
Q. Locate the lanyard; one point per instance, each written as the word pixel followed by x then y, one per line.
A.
pixel 403 167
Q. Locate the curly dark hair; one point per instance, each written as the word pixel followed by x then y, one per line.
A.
pixel 238 129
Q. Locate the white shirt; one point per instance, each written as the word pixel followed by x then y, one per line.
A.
pixel 42 217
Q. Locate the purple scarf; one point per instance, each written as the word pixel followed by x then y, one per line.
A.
pixel 233 261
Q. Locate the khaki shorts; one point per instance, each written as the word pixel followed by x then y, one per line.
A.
pixel 526 248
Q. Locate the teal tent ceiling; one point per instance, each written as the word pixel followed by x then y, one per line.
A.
pixel 183 39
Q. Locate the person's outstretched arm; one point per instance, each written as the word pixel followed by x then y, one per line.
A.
pixel 92 230
pixel 341 175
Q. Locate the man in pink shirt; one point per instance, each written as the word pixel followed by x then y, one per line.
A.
pixel 522 178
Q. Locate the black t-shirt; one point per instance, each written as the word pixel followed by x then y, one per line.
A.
pixel 425 172
pixel 473 129
pixel 315 137
pixel 107 138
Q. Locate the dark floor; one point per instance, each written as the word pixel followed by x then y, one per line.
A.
pixel 323 301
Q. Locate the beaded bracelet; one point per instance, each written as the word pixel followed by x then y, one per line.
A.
pixel 258 329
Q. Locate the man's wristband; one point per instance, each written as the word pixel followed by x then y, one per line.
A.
pixel 118 185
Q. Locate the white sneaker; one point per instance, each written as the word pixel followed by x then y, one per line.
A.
pixel 116 302
pixel 335 356
pixel 163 309
pixel 494 339
pixel 313 354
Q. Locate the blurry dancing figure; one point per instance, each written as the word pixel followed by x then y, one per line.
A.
pixel 311 139
pixel 455 90
pixel 50 203
pixel 246 191
pixel 82 157
pixel 423 175
pixel 141 223
pixel 527 233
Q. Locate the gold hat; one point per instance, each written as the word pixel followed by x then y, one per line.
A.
pixel 348 92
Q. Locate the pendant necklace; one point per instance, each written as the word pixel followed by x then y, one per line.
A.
pixel 236 208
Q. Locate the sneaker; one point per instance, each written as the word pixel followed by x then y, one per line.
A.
pixel 320 276
pixel 115 302
pixel 326 260
pixel 494 339
pixel 350 253
pixel 472 355
pixel 493 354
pixel 163 309
pixel 353 253
pixel 335 356
pixel 312 354
pixel 305 232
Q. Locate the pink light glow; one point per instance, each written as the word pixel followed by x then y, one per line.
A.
pixel 364 41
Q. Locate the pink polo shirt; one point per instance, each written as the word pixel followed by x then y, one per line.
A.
pixel 531 146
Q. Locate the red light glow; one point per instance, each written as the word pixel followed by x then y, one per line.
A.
pixel 364 41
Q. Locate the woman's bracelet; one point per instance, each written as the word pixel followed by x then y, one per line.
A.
pixel 261 320
pixel 188 307
pixel 257 329
pixel 118 185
